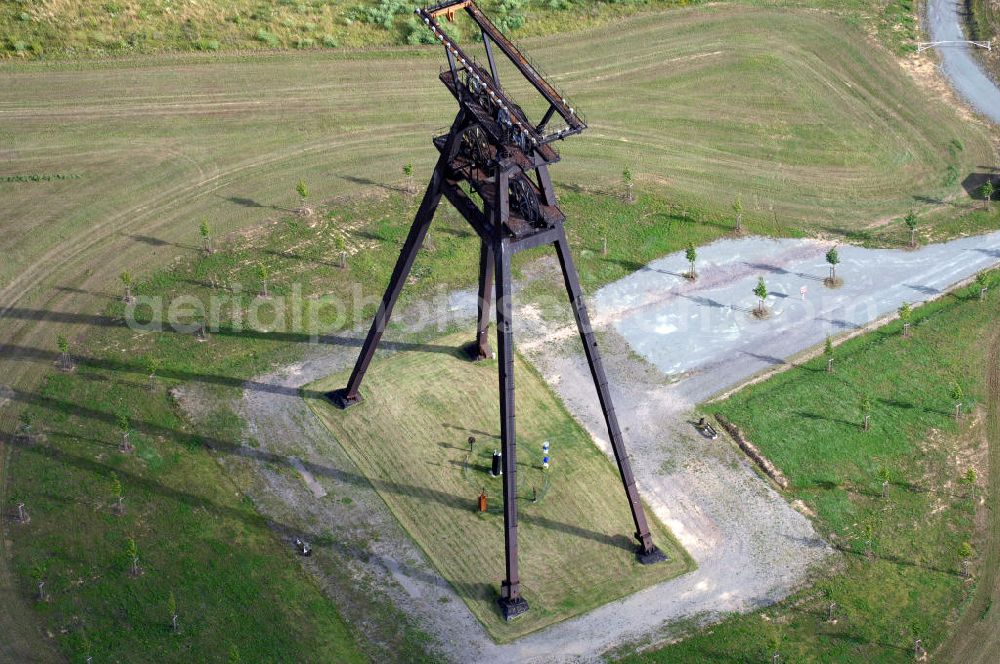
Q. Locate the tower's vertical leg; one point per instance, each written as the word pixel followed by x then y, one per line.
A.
pixel 646 551
pixel 481 349
pixel 349 396
pixel 511 602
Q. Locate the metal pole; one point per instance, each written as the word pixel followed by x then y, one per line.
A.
pixel 511 602
pixel 646 552
pixel 482 350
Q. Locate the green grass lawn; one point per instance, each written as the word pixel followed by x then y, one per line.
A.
pixel 808 422
pixel 197 537
pixel 409 437
pixel 820 134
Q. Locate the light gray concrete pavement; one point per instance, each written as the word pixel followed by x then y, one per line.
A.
pixel 686 329
pixel 944 23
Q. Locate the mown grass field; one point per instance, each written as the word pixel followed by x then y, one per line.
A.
pixel 808 422
pixel 409 435
pixel 152 146
pixel 820 133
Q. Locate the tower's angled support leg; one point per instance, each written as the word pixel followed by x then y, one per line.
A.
pixel 646 551
pixel 511 603
pixel 349 396
pixel 481 348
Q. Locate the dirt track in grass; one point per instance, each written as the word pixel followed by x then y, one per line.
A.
pixel 976 637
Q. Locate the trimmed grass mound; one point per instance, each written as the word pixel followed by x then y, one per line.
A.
pixel 409 436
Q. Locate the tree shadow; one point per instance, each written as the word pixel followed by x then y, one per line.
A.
pixel 580 189
pixel 80 291
pixel 916 488
pixel 861 641
pixel 926 290
pixel 450 501
pixel 827 418
pixel 455 232
pixel 372 183
pixel 931 200
pixel 840 323
pixel 25 353
pixel 632 266
pixel 897 560
pixel 157 242
pixel 704 301
pixel 245 202
pixel 299 257
pixel 764 267
pixel 770 359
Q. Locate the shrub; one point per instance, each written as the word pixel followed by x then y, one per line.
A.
pixel 266 37
pixel 384 14
pixel 329 41
pixel 417 33
pixel 511 14
pixel 950 176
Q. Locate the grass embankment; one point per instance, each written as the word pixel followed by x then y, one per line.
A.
pixel 899 578
pixel 95 28
pixel 409 439
pixel 821 134
pixel 983 20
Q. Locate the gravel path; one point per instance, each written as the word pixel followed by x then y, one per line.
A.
pixel 751 546
pixel 944 23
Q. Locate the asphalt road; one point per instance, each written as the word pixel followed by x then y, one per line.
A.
pixel 944 23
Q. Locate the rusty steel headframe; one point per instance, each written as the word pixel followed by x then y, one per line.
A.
pixel 504 157
pixel 458 62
